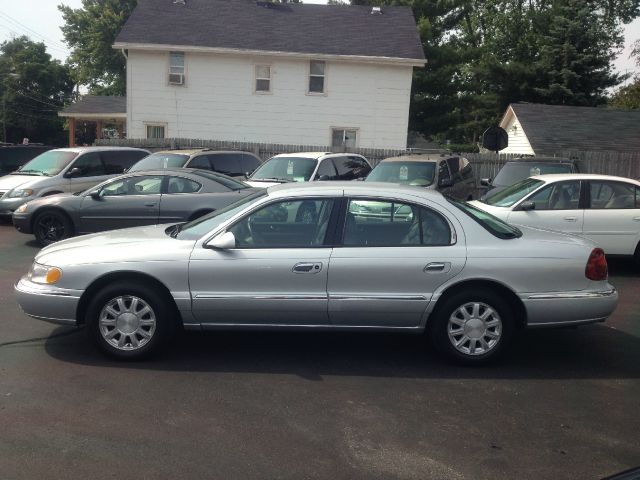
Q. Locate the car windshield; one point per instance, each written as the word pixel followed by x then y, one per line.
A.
pixel 513 172
pixel 286 169
pixel 492 224
pixel 160 160
pixel 197 228
pixel 513 194
pixel 409 173
pixel 48 163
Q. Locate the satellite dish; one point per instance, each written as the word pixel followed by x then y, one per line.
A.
pixel 495 139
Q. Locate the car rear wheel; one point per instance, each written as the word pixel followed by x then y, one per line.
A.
pixel 129 321
pixel 51 226
pixel 472 328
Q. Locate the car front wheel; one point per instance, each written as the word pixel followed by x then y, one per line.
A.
pixel 51 226
pixel 472 328
pixel 129 321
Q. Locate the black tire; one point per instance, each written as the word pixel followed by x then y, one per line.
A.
pixel 51 226
pixel 439 326
pixel 130 330
pixel 636 257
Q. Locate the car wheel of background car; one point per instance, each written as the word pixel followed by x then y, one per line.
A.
pixel 472 327
pixel 636 256
pixel 129 321
pixel 51 226
pixel 306 213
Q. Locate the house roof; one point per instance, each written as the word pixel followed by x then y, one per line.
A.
pixel 553 128
pixel 244 25
pixel 89 106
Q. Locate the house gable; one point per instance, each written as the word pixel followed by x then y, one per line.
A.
pixel 518 141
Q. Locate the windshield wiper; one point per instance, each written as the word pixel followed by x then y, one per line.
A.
pixel 28 172
pixel 274 179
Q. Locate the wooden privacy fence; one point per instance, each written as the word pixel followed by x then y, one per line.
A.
pixel 485 165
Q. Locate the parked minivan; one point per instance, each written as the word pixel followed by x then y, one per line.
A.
pixel 64 170
pixel 12 157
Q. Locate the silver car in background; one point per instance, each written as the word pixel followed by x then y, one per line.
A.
pixel 418 262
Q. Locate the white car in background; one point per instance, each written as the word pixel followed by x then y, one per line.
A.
pixel 602 208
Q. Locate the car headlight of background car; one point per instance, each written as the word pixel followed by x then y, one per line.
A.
pixel 22 208
pixel 44 274
pixel 20 193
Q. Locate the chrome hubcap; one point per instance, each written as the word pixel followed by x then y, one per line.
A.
pixel 127 322
pixel 474 328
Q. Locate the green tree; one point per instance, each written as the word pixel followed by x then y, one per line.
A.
pixel 33 87
pixel 90 32
pixel 628 97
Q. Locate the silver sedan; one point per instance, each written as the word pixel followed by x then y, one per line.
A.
pixel 364 256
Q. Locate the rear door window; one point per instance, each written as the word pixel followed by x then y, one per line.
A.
pixel 226 163
pixel 182 185
pixel 249 163
pixel 201 161
pixel 612 195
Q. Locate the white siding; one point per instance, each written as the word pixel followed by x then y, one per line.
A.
pixel 518 141
pixel 218 101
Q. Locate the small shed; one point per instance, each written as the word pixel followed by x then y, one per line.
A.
pixel 103 110
pixel 536 129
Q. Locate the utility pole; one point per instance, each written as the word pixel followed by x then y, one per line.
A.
pixel 4 115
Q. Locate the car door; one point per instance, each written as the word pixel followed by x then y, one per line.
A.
pixel 125 202
pixel 612 216
pixel 177 201
pixel 392 257
pixel 276 274
pixel 85 171
pixel 558 206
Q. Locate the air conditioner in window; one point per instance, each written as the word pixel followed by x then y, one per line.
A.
pixel 176 78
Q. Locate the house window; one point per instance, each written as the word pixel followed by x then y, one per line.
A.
pixel 155 131
pixel 263 78
pixel 176 68
pixel 344 137
pixel 316 76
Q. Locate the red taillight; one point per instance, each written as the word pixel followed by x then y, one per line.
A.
pixel 597 266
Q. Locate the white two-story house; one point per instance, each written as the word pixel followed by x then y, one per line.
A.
pixel 240 70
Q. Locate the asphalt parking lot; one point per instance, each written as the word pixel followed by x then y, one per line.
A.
pixel 561 404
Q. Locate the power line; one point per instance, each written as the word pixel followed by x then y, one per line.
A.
pixel 16 22
pixel 15 34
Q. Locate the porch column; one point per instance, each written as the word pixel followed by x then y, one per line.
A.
pixel 98 129
pixel 72 132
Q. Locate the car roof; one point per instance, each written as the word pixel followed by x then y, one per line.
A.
pixel 540 160
pixel 424 157
pixel 97 149
pixel 193 151
pixel 556 177
pixel 314 155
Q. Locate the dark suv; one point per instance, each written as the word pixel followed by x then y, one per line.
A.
pixel 231 163
pixel 449 174
pixel 520 168
pixel 12 157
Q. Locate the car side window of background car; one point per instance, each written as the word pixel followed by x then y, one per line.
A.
pixel 557 196
pixel 326 171
pixel 278 225
pixel 344 167
pixel 443 171
pixel 138 185
pixel 637 197
pixel 454 167
pixel 227 163
pixel 612 195
pixel 249 163
pixel 201 161
pixel 182 185
pixel 90 165
pixel 117 161
pixel 466 171
pixel 393 224
pixel 359 166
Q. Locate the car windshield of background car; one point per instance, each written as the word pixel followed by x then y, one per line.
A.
pixel 408 173
pixel 48 163
pixel 514 172
pixel 160 160
pixel 291 169
pixel 492 224
pixel 197 228
pixel 513 194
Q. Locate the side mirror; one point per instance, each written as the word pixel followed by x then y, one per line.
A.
pixel 527 206
pixel 225 241
pixel 485 182
pixel 96 195
pixel 74 172
pixel 445 182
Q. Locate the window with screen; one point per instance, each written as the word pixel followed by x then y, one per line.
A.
pixel 263 79
pixel 317 76
pixel 176 68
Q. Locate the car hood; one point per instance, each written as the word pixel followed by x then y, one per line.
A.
pixel 9 182
pixel 138 244
pixel 63 199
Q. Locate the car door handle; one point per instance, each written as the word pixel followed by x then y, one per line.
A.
pixel 152 204
pixel 571 219
pixel 436 267
pixel 307 267
pixel 636 219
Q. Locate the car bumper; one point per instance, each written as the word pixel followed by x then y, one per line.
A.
pixel 8 205
pixel 22 222
pixel 44 302
pixel 569 308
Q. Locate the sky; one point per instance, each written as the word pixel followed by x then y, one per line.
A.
pixel 41 20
